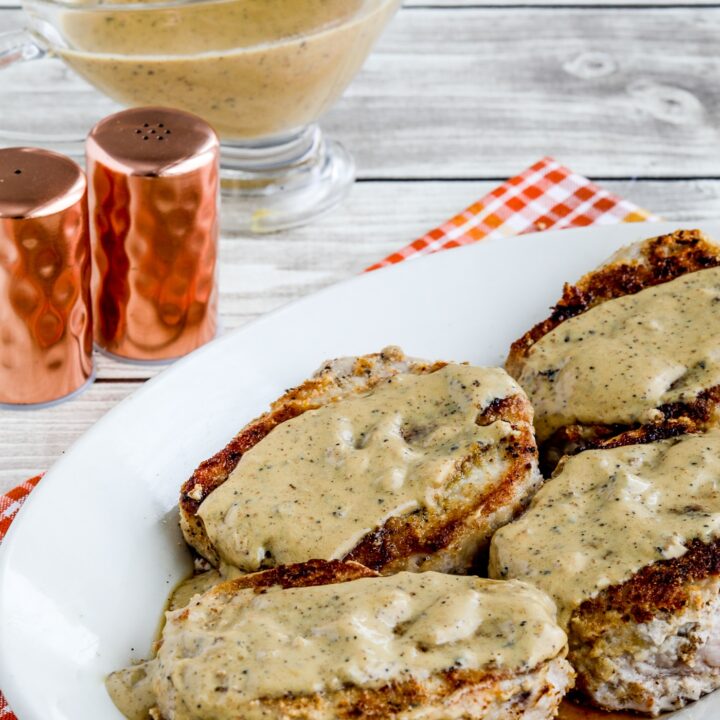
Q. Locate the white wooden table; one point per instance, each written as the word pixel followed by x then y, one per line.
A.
pixel 459 95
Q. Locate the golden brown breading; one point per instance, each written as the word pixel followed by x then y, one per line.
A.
pixel 448 540
pixel 663 587
pixel 655 261
pixel 307 574
pixel 462 694
pixel 456 693
pixel 650 645
pixel 325 386
pixel 660 259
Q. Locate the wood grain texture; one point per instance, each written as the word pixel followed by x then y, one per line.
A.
pixel 452 93
pixel 481 92
pixel 31 440
pixel 257 276
pixel 261 275
pixel 477 93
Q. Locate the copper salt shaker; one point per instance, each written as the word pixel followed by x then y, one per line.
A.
pixel 153 197
pixel 45 322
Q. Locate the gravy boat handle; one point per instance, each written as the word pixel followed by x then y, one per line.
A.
pixel 18 46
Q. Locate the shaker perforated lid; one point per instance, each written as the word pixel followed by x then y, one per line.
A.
pixel 36 183
pixel 153 142
pixel 153 177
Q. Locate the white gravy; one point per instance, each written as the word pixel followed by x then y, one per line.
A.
pixel 231 648
pixel 619 361
pixel 317 484
pixel 609 513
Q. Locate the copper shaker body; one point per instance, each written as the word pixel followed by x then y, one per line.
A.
pixel 153 196
pixel 45 315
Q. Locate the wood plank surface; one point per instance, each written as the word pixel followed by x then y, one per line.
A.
pixel 31 440
pixel 613 92
pixel 260 275
pixel 458 95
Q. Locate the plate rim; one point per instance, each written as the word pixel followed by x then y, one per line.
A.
pixel 53 475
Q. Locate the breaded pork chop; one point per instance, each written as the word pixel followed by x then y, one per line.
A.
pixel 652 644
pixel 625 540
pixel 631 344
pixel 334 641
pixel 389 461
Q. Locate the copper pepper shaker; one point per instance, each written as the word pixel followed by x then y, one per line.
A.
pixel 45 321
pixel 153 196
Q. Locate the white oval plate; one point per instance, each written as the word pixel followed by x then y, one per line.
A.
pixel 86 567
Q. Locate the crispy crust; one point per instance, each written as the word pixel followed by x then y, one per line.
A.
pixel 450 540
pixel 647 644
pixel 573 439
pixel 657 260
pixel 662 586
pixel 664 589
pixel 659 588
pixel 649 664
pixel 387 547
pixel 540 687
pixel 307 574
pixel 674 419
pixel 455 693
pixel 325 386
pixel 660 259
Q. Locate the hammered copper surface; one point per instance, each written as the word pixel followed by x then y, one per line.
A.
pixel 45 322
pixel 154 230
pixel 153 141
pixel 37 183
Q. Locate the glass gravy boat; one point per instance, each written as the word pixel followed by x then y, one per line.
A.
pixel 261 72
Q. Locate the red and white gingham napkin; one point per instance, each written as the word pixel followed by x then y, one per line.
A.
pixel 546 195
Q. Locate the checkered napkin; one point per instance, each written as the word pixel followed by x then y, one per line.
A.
pixel 546 195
